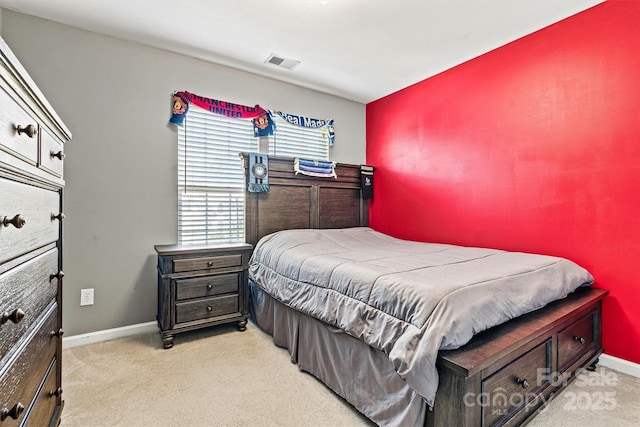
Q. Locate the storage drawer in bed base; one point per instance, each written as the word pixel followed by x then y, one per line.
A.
pixel 504 359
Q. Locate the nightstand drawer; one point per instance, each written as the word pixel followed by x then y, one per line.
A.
pixel 207 308
pixel 207 263
pixel 575 341
pixel 207 286
pixel 517 383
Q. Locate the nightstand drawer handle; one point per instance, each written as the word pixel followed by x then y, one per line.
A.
pixel 17 221
pixel 15 316
pixel 579 339
pixel 30 130
pixel 209 308
pixel 523 382
pixel 14 412
pixel 209 264
pixel 209 286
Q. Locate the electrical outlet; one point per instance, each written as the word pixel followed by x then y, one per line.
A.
pixel 86 297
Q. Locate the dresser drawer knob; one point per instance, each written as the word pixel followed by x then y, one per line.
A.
pixel 14 412
pixel 523 382
pixel 57 392
pixel 15 316
pixel 57 333
pixel 209 308
pixel 17 221
pixel 209 264
pixel 59 217
pixel 30 130
pixel 59 275
pixel 579 339
pixel 209 286
pixel 60 155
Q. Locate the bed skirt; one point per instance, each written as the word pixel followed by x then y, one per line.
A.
pixel 361 375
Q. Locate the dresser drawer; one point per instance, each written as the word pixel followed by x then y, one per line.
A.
pixel 51 154
pixel 19 384
pixel 516 384
pixel 45 404
pixel 575 341
pixel 18 144
pixel 28 288
pixel 207 308
pixel 207 263
pixel 35 206
pixel 207 286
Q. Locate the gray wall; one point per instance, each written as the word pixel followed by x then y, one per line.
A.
pixel 121 165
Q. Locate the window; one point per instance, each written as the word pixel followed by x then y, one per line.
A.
pixel 210 176
pixel 210 179
pixel 297 141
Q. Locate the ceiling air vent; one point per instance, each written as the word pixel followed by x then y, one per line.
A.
pixel 278 60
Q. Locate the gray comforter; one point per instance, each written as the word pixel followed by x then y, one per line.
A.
pixel 407 299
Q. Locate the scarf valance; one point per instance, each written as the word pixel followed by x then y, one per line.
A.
pixel 263 123
pixel 181 101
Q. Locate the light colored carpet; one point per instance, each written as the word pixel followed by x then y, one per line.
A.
pixel 222 377
pixel 216 377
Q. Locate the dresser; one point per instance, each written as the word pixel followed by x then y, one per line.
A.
pixel 32 139
pixel 201 287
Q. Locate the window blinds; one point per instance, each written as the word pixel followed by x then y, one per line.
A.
pixel 210 176
pixel 297 141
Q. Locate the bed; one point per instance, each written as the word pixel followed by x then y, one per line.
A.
pixel 351 306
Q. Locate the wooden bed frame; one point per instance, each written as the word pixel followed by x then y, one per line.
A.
pixel 301 201
pixel 504 375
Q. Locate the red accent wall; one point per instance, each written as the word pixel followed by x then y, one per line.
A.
pixel 534 147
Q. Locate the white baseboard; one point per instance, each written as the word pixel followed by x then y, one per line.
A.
pixel 108 334
pixel 620 365
pixel 611 362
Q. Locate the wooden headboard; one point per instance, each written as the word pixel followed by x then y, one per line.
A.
pixel 300 201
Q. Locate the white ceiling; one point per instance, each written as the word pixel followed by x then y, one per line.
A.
pixel 361 50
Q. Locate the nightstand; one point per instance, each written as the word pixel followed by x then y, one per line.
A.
pixel 200 287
